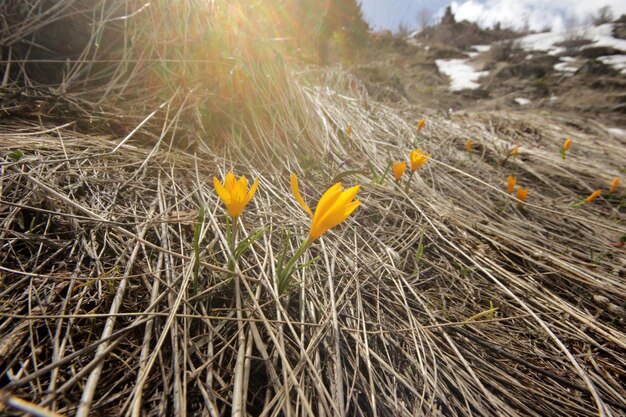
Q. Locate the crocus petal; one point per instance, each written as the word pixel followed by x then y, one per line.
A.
pixel 567 144
pixel 398 169
pixel 350 208
pixel 334 207
pixel 334 214
pixel 296 193
pixel 418 158
pixel 522 193
pixel 234 193
pixel 255 185
pixel 327 200
pixel 221 191
pixel 511 180
pixel 593 196
pixel 230 181
pixel 337 207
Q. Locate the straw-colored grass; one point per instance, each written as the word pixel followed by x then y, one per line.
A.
pixel 446 298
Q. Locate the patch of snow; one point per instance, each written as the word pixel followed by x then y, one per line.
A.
pixel 545 42
pixel 617 131
pixel 553 98
pixel 597 35
pixel 565 67
pixel 481 48
pixel 472 54
pixel 616 61
pixel 603 36
pixel 521 101
pixel 462 75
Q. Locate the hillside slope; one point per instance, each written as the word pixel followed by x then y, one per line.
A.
pixel 441 295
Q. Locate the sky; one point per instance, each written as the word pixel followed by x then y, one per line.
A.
pixel 538 14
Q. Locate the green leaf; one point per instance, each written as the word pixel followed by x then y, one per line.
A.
pixel 245 243
pixel 16 155
pixel 196 250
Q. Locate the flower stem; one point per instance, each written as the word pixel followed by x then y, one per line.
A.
pixel 285 274
pixel 408 182
pixel 238 406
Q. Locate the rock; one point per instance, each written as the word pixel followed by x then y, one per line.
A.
pixel 608 83
pixel 475 94
pixel 598 51
pixel 594 68
pixel 523 70
pixel 535 68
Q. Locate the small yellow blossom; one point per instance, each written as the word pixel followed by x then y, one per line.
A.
pixel 349 130
pixel 565 147
pixel 510 183
pixel 614 185
pixel 469 146
pixel 420 125
pixel 522 193
pixel 593 196
pixel 333 208
pixel 567 144
pixel 234 193
pixel 418 158
pixel 515 151
pixel 398 170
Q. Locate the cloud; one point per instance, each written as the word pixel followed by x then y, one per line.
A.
pixel 536 14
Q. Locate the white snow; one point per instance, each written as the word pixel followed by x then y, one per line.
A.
pixel 617 131
pixel 481 48
pixel 543 42
pixel 462 75
pixel 565 66
pixel 603 36
pixel 598 35
pixel 477 50
pixel 616 61
pixel 521 101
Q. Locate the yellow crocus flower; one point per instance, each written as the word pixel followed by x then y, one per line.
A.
pixel 469 146
pixel 614 185
pixel 593 196
pixel 514 152
pixel 398 169
pixel 420 125
pixel 234 193
pixel 333 208
pixel 418 158
pixel 567 144
pixel 522 193
pixel 510 183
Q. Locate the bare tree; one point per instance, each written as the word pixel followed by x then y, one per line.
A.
pixel 425 18
pixel 603 15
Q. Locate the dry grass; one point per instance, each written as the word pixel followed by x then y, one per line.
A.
pixel 443 299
